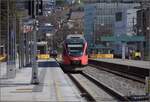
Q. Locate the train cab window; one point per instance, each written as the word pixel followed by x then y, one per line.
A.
pixel 75 49
pixel 41 49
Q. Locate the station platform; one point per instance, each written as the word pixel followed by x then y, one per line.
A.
pixel 54 85
pixel 126 62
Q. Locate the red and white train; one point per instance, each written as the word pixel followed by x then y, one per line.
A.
pixel 75 50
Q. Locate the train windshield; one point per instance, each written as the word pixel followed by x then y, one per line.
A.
pixel 75 49
pixel 41 49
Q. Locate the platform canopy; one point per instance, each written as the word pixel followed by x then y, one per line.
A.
pixel 125 38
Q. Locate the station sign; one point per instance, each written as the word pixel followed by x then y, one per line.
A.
pixel 27 28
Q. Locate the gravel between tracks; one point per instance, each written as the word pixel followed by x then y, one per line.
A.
pixel 125 86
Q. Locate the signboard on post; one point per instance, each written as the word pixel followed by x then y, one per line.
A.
pixel 27 29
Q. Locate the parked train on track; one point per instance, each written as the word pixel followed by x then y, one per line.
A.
pixel 75 50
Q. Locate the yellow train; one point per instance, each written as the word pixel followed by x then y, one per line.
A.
pixel 3 56
pixel 42 50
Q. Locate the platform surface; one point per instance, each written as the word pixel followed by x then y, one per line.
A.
pixel 134 63
pixel 54 86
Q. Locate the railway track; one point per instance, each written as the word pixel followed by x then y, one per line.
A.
pixel 125 75
pixel 111 94
pixel 118 86
pixel 139 73
pixel 84 92
pixel 92 91
pixel 127 86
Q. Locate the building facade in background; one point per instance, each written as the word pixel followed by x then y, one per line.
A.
pixel 109 19
pixel 89 15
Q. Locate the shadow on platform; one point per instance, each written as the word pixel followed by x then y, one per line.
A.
pixel 45 64
pixel 9 84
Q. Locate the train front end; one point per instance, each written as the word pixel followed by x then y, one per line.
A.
pixel 75 51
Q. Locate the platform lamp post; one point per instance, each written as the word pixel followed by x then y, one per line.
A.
pixel 35 8
pixel 32 11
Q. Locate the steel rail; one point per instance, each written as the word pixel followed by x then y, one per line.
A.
pixel 111 92
pixel 125 75
pixel 84 92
